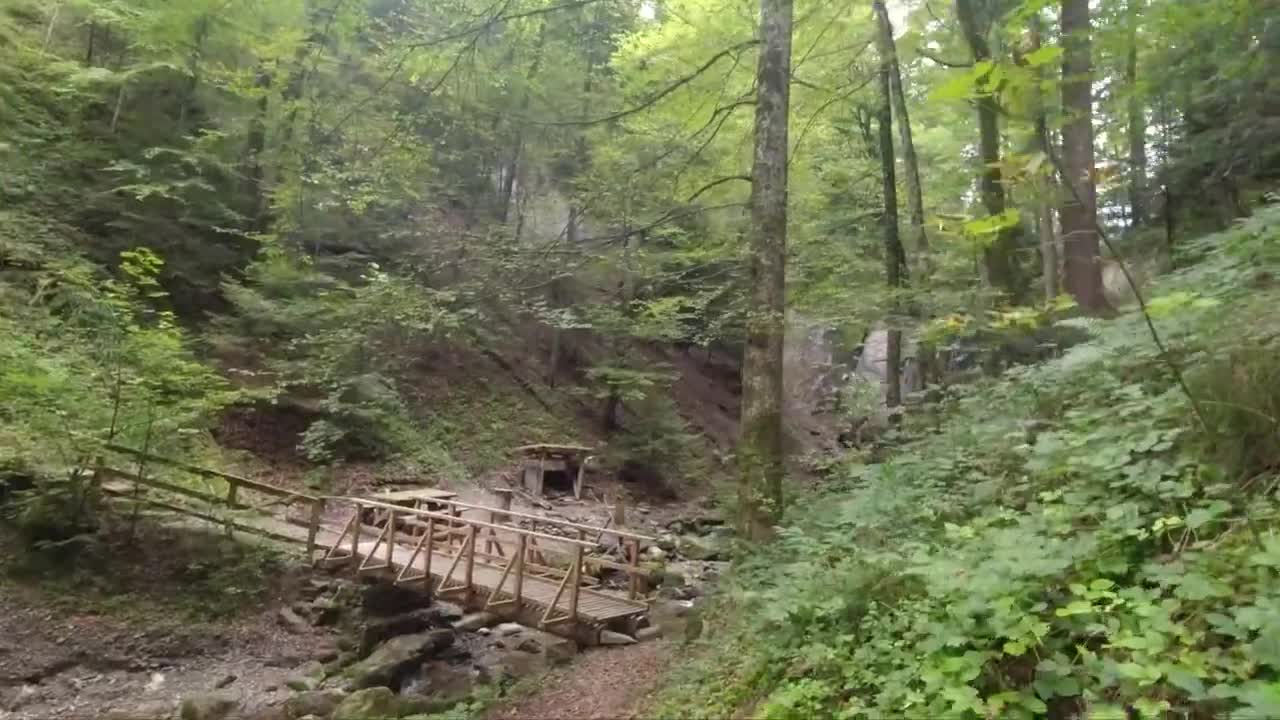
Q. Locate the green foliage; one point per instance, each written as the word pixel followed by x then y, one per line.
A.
pixel 1070 541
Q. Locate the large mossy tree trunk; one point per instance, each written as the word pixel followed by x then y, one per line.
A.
pixel 760 450
pixel 1080 245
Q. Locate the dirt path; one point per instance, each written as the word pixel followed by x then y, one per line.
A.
pixel 602 684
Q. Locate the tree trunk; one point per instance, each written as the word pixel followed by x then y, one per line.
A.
pixel 1137 126
pixel 193 67
pixel 257 144
pixel 53 21
pixel 894 257
pixel 1082 266
pixel 999 259
pixel 911 168
pixel 93 35
pixel 517 141
pixel 1044 208
pixel 760 451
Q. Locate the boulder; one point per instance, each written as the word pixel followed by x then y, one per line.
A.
pixel 208 706
pixel 306 677
pixel 376 703
pixel 475 621
pixel 380 630
pixel 396 657
pixel 508 629
pixel 447 610
pixel 325 612
pixel 609 637
pixel 443 683
pixel 703 547
pixel 320 703
pixel 655 553
pixel 292 621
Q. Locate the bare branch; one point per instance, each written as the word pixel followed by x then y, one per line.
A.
pixel 715 183
pixel 945 63
pixel 654 98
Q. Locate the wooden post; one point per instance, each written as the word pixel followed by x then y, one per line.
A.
pixel 542 469
pixel 232 489
pixel 577 585
pixel 519 558
pixel 431 541
pixel 471 557
pixel 313 527
pixel 355 534
pixel 619 510
pixel 577 483
pixel 391 536
pixel 634 547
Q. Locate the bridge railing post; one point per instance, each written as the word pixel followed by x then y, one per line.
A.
pixel 391 536
pixel 577 582
pixel 471 557
pixel 356 523
pixel 313 527
pixel 431 551
pixel 633 549
pixel 519 558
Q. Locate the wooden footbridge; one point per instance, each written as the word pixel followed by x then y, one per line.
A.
pixel 540 570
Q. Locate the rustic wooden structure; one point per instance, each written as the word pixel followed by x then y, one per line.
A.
pixel 232 501
pixel 542 458
pixel 518 569
pixel 537 569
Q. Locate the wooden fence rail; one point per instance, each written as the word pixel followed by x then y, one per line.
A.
pixel 233 499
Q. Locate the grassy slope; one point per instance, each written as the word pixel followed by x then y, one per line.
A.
pixel 1069 540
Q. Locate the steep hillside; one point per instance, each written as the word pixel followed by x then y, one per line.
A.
pixel 1075 538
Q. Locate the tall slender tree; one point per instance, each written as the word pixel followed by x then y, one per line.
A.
pixel 1080 244
pixel 1000 257
pixel 760 451
pixel 1137 131
pixel 910 166
pixel 1041 143
pixel 894 257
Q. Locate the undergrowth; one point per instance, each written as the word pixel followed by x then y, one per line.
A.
pixel 1070 542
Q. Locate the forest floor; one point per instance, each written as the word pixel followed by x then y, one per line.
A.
pixel 131 648
pixel 601 684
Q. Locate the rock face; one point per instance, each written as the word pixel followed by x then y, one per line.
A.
pixel 320 703
pixel 383 599
pixel 293 622
pixel 376 703
pixel 703 547
pixel 397 657
pixel 210 706
pixel 379 630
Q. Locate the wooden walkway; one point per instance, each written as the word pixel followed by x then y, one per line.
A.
pixel 492 563
pixel 485 557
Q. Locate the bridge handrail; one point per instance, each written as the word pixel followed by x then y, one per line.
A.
pixel 256 485
pixel 400 509
pixel 550 521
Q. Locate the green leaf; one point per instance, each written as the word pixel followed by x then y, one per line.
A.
pixel 1044 56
